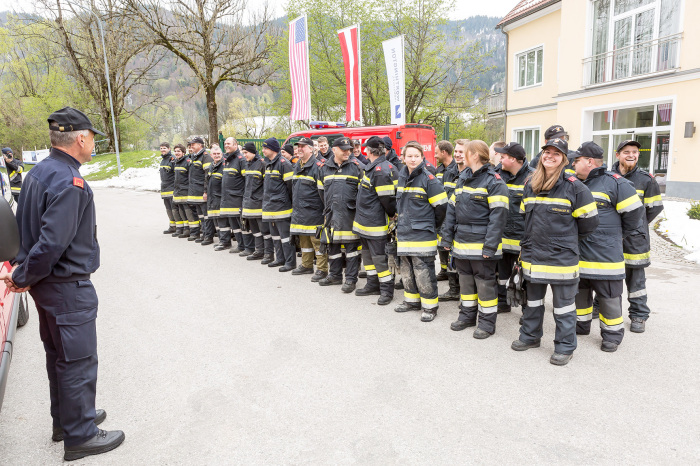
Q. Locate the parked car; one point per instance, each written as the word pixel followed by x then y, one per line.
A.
pixel 399 134
pixel 14 311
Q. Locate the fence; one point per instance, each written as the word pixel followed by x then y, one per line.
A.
pixel 258 143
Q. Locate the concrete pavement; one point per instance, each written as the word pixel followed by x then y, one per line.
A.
pixel 256 366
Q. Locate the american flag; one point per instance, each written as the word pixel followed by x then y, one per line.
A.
pixel 299 69
pixel 350 46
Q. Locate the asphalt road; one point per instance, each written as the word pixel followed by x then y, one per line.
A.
pixel 206 358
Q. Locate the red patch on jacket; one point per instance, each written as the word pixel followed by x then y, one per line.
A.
pixel 498 177
pixel 430 176
pixel 616 176
pixel 379 169
pixel 572 179
pixel 319 163
pixel 79 182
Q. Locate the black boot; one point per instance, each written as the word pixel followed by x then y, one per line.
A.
pixel 370 288
pixel 103 442
pixel 267 259
pixel 442 276
pixel 256 256
pixel 169 231
pixel 207 241
pixel 453 293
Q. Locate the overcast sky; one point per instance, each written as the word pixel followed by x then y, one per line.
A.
pixel 463 8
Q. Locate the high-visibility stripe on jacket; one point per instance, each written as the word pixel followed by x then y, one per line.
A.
pixel 307 210
pixel 214 182
pixel 555 220
pixel 199 165
pixel 181 169
pixel 338 185
pixel 515 226
pixel 167 175
pixel 376 199
pixel 15 168
pixel 477 215
pixel 232 183
pixel 254 189
pixel 277 183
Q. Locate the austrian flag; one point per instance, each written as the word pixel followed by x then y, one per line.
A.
pixel 350 45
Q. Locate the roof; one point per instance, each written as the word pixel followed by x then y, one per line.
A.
pixel 524 8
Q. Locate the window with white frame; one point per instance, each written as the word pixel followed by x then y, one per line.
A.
pixel 632 38
pixel 529 138
pixel 529 68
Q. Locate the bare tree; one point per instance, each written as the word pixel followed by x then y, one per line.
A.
pixel 215 38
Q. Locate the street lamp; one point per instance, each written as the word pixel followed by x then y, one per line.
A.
pixel 109 86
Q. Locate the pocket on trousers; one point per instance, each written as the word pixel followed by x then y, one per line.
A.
pixel 85 296
pixel 78 334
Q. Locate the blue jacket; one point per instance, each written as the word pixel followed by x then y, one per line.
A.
pixel 56 219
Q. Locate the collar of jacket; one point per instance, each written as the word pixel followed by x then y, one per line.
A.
pixel 507 176
pixel 380 159
pixel 309 163
pixel 64 157
pixel 231 155
pixel 180 159
pixel 616 169
pixel 198 154
pixel 418 170
pixel 465 175
pixel 215 164
pixel 451 164
pixel 270 162
pixel 596 172
pixel 331 163
pixel 169 154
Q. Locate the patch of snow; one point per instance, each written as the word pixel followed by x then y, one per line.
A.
pixel 681 229
pixel 140 179
pixel 91 168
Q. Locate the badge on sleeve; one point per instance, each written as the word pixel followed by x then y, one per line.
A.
pixel 379 169
pixel 572 179
pixel 430 176
pixel 616 176
pixel 498 177
pixel 79 182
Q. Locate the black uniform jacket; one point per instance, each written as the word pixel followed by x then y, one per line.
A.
pixel 376 199
pixel 214 181
pixel 477 215
pixel 421 203
pixel 637 246
pixel 555 221
pixel 254 190
pixel 233 183
pixel 167 175
pixel 515 226
pixel 307 212
pixel 441 169
pixel 56 219
pixel 620 212
pixel 339 185
pixel 181 180
pixel 277 199
pixel 14 171
pixel 200 164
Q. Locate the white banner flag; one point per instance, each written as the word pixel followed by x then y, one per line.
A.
pixel 395 71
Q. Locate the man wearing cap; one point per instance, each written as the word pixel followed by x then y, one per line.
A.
pixel 232 190
pixel 196 196
pixel 58 252
pixel 277 205
pixel 636 246
pixel 15 167
pixel 307 212
pixel 443 155
pixel 337 181
pixel 390 153
pixel 289 153
pixel 376 204
pixel 252 205
pixel 555 132
pixel 167 180
pixel 602 263
pixel 515 171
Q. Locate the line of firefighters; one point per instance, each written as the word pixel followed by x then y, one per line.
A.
pixel 503 232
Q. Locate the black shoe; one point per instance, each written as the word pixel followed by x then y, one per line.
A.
pixel 384 300
pixel 481 334
pixel 267 259
pixel 450 295
pixel 222 247
pixel 406 307
pixel 442 276
pixel 183 235
pixel 235 250
pixel 207 241
pixel 559 359
pixel 519 345
pixel 637 325
pixel 348 287
pixel 192 238
pixel 169 231
pixel 301 270
pixel 399 285
pixel 103 442
pixel 100 416
pixel 367 291
pixel 299 254
pixel 330 280
pixel 275 264
pixel 246 253
pixel 256 256
pixel 521 320
pixel 459 325
pixel 200 240
pixel 608 346
pixel 582 330
pixel 502 308
pixel 286 268
pixel 362 274
pixel 318 276
pixel 176 234
pixel 428 315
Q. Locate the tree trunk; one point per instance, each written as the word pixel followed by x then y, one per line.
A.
pixel 212 109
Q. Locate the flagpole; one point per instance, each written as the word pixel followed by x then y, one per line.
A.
pixel 403 70
pixel 359 69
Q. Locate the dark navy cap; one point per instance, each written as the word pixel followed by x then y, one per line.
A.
pixel 272 144
pixel 387 142
pixel 375 142
pixel 197 139
pixel 250 147
pixel 557 143
pixel 6 150
pixel 343 143
pixel 629 142
pixel 589 149
pixel 554 132
pixel 513 149
pixel 304 142
pixel 69 119
pixel 288 148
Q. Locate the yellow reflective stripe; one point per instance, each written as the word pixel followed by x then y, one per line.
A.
pixel 512 242
pixel 340 177
pixel 490 303
pixel 231 170
pixel 435 200
pixel 367 180
pixel 287 175
pixel 396 182
pixel 304 177
pixel 516 187
pixel 195 198
pixel 611 322
pixel 230 209
pixel 601 265
pixel 430 300
pixel 600 195
pixel 389 188
pixel 251 172
pixel 370 267
pixel 634 199
pixel 385 273
pixel 640 192
pixel 474 190
pixel 15 189
pixel 294 226
pixel 206 165
pixel 649 200
pixel 182 169
pixel 343 233
pixel 522 207
pixel 252 211
pixel 450 184
pixel 403 189
pixel 408 295
pixel 636 257
pixel 584 312
pixel 166 193
pixel 362 227
pixel 452 198
pixel 550 268
pixel 278 212
pixel 470 297
pixel 417 244
pixel 492 199
pixel 217 175
pixel 546 200
pixel 587 209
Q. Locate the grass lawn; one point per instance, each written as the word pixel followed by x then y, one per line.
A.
pixel 107 164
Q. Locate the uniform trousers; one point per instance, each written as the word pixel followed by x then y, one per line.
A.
pixel 267 237
pixel 609 295
pixel 168 201
pixel 564 296
pixel 200 212
pixel 636 281
pixel 376 262
pixel 505 268
pixel 67 314
pixel 180 222
pixel 478 292
pixel 254 225
pixel 346 255
pixel 419 281
pixel 444 259
pixel 188 216
pixel 310 247
pixel 285 251
pixel 209 223
pixel 230 226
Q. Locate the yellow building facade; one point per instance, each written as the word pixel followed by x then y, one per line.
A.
pixel 607 71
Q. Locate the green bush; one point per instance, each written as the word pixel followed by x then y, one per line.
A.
pixel 694 211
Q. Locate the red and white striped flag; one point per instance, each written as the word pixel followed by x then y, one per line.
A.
pixel 350 45
pixel 299 69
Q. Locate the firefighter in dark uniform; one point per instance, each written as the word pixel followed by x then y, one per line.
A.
pixel 515 171
pixel 324 150
pixel 476 218
pixel 559 211
pixel 252 205
pixel 443 154
pixel 637 247
pixel 196 197
pixel 181 188
pixel 167 178
pixel 390 153
pixel 357 152
pixel 277 205
pixel 307 212
pixel 15 167
pixel 338 179
pixel 214 178
pixel 376 204
pixel 232 190
pixel 58 253
pixel 421 204
pixel 602 263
